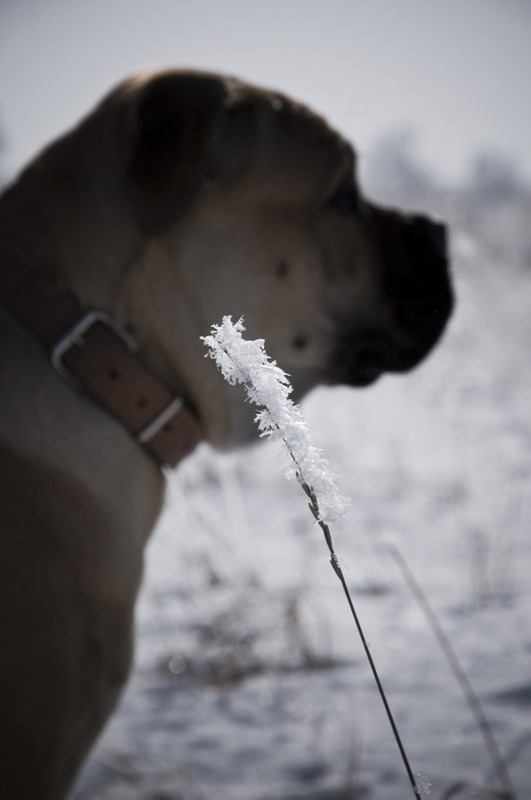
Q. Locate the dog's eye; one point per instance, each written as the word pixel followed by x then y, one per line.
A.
pixel 346 200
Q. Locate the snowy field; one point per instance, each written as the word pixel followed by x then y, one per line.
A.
pixel 249 681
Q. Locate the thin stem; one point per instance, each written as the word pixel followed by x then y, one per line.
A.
pixel 483 724
pixel 314 508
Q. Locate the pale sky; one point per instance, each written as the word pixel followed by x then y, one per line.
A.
pixel 457 72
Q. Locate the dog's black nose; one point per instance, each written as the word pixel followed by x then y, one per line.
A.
pixel 423 295
pixel 426 237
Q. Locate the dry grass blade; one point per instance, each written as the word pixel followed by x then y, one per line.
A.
pixel 482 722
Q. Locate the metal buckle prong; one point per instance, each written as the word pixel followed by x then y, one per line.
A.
pixel 74 336
pixel 160 421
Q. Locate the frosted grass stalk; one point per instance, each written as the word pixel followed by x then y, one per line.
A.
pixel 246 361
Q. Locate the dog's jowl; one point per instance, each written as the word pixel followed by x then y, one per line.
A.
pixel 183 197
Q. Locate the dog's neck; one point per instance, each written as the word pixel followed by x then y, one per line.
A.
pixel 89 350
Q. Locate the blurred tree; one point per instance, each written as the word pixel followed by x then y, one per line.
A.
pixel 495 178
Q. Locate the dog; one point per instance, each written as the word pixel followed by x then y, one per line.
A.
pixel 183 197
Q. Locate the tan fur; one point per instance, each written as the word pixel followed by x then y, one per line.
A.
pixel 183 197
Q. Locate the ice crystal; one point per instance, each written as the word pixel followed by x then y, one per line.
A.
pixel 279 418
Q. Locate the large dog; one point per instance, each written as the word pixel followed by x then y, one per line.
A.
pixel 183 197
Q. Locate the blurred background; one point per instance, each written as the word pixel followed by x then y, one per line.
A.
pixel 249 683
pixel 454 73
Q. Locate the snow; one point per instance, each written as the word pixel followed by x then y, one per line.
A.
pixel 249 681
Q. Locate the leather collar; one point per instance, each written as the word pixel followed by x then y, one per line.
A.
pixel 91 352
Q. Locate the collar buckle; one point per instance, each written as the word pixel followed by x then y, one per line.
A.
pixel 74 337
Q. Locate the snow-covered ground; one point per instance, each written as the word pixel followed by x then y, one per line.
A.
pixel 250 682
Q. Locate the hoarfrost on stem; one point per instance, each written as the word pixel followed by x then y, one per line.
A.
pixel 246 361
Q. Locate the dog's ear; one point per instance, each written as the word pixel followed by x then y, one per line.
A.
pixel 174 115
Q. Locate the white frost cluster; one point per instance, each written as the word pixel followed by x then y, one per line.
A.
pixel 246 361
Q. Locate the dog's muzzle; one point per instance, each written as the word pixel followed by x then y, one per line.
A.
pixel 418 301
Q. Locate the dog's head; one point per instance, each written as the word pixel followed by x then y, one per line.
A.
pixel 248 204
